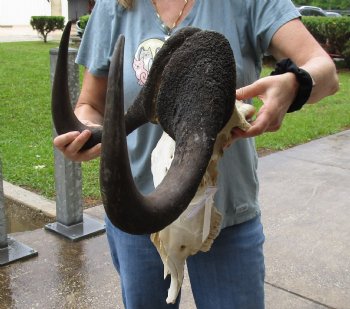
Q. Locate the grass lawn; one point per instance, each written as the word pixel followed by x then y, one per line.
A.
pixel 26 129
pixel 26 146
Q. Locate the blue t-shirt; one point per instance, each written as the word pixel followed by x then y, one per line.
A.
pixel 248 25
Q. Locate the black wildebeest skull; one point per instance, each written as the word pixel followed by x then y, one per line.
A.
pixel 190 92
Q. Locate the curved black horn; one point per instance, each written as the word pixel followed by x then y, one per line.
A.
pixel 63 116
pixel 194 99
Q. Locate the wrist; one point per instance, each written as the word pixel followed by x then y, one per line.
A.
pixel 293 84
pixel 303 79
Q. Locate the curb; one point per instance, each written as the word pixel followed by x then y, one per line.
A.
pixel 39 203
pixel 29 199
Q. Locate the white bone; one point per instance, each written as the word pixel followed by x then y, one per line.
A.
pixel 198 226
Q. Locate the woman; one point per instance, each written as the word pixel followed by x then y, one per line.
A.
pixel 231 274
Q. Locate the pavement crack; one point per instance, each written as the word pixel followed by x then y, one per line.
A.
pixel 299 295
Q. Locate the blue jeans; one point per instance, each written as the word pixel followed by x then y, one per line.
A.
pixel 230 275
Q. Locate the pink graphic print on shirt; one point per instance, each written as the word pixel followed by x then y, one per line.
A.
pixel 144 58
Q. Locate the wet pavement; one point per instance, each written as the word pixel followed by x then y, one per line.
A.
pixel 305 202
pixel 64 275
pixel 17 217
pixel 305 206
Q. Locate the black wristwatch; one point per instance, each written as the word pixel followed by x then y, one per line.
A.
pixel 304 79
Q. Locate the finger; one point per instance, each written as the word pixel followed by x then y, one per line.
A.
pixel 258 127
pixel 91 153
pixel 61 141
pixel 250 91
pixel 86 155
pixel 76 145
pixel 237 133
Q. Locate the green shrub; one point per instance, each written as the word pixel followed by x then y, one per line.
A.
pixel 45 24
pixel 81 24
pixel 346 54
pixel 313 24
pixel 83 20
pixel 332 33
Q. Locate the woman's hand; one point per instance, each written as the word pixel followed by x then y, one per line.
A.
pixel 293 41
pixel 70 145
pixel 89 110
pixel 277 93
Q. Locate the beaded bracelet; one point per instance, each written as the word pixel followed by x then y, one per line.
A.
pixel 304 79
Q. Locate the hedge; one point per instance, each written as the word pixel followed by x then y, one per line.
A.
pixel 333 33
pixel 83 20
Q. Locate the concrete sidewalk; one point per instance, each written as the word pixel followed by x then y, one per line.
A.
pixel 306 210
pixel 305 196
